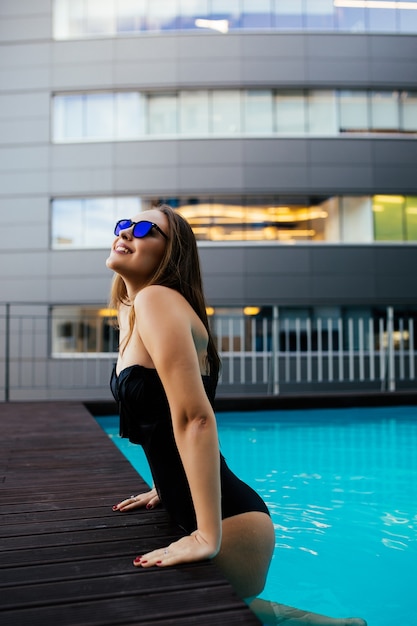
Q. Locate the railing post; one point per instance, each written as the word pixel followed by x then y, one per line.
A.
pixel 275 351
pixel 7 355
pixel 391 354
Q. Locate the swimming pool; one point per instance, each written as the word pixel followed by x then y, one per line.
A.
pixel 341 485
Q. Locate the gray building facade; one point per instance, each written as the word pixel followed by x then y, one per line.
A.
pixel 36 170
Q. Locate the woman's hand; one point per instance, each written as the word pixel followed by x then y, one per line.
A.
pixel 149 500
pixel 194 547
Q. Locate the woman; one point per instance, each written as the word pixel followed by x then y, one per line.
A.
pixel 165 379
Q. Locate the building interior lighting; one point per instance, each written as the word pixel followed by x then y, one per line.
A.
pixel 374 4
pixel 251 310
pixel 389 199
pixel 107 313
pixel 222 26
pixel 222 222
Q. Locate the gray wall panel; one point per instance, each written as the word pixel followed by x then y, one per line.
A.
pixel 90 52
pixel 224 178
pixel 202 152
pixel 26 26
pixel 29 209
pixel 145 179
pixel 266 71
pixel 82 181
pixel 70 263
pixel 14 159
pixel 24 131
pixel 14 264
pixel 281 290
pixel 278 259
pixel 224 289
pixel 221 259
pixel 74 156
pixel 24 105
pixel 333 177
pixel 31 182
pixel 342 260
pixel 87 288
pixel 345 288
pixel 344 152
pixel 282 151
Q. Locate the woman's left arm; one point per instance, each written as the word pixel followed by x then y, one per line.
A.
pixel 164 325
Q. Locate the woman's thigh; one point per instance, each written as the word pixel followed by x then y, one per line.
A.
pixel 247 545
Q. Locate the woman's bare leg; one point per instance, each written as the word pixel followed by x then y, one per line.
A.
pixel 273 613
pixel 248 542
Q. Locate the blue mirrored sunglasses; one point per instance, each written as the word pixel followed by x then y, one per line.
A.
pixel 140 229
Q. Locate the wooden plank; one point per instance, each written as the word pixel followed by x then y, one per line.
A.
pixel 66 557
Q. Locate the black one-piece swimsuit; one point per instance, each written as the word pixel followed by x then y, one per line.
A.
pixel 145 419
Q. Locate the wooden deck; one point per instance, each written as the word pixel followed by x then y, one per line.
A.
pixel 66 557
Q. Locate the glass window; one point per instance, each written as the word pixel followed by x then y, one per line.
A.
pixel 100 17
pixel 80 330
pixel 289 14
pixel 388 218
pixel 163 15
pixel 227 10
pixel 131 15
pixel 98 223
pixel 192 10
pixel 385 111
pixel 408 104
pixel 89 222
pixel 68 19
pixel 411 218
pixel 258 111
pixel 67 223
pixel 322 119
pixel 226 116
pixel 351 19
pixel 130 115
pixel 194 113
pixel 407 18
pixel 382 20
pixel 356 219
pixel 100 116
pixel 256 14
pixel 162 114
pixel 68 117
pixel 290 112
pixel 353 111
pixel 319 14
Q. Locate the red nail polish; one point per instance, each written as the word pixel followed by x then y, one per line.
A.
pixel 158 563
pixel 114 508
pixel 137 559
pixel 149 506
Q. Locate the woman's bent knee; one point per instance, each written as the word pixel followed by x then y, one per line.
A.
pixel 247 545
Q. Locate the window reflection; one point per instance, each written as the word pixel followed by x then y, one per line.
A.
pixel 385 111
pixel 388 218
pixel 409 111
pixel 353 111
pixel 89 222
pixel 135 115
pixel 92 18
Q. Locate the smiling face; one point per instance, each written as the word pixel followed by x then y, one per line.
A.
pixel 136 259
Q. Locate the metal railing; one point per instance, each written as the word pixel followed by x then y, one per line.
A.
pixel 270 355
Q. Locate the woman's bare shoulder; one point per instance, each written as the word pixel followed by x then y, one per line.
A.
pixel 157 295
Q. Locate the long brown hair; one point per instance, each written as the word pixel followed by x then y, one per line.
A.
pixel 179 270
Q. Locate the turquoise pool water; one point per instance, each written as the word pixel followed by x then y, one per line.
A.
pixel 341 485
